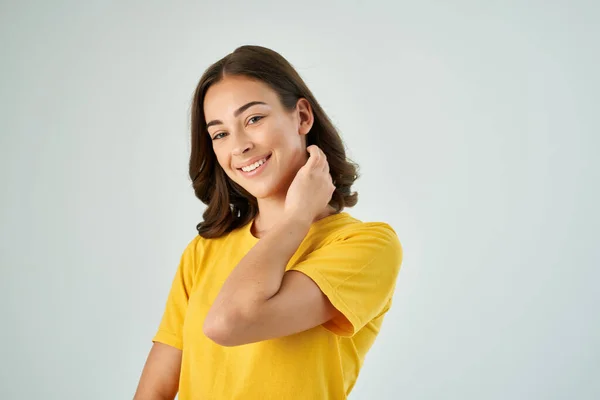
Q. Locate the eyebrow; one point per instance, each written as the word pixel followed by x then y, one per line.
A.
pixel 236 113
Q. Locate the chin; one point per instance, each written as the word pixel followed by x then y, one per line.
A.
pixel 261 190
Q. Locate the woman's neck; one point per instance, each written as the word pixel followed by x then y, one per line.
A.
pixel 269 214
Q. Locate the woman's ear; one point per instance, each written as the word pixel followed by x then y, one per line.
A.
pixel 305 116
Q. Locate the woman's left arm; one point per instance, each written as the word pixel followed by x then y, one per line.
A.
pixel 253 305
pixel 238 314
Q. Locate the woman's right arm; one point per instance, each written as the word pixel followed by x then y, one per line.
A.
pixel 160 377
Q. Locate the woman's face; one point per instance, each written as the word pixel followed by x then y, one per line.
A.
pixel 258 143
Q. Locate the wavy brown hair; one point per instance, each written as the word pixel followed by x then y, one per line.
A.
pixel 230 205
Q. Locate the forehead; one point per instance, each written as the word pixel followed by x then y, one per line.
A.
pixel 232 92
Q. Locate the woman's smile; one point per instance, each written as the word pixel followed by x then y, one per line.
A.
pixel 256 168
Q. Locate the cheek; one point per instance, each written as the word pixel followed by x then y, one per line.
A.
pixel 223 161
pixel 294 146
pixel 286 140
pixel 219 156
pixel 221 152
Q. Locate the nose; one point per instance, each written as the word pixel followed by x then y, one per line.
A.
pixel 242 144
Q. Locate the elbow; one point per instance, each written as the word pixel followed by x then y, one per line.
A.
pixel 216 329
pixel 224 328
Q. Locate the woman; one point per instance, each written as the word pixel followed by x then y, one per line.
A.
pixel 281 294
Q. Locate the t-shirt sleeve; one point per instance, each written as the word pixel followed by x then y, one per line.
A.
pixel 171 324
pixel 357 272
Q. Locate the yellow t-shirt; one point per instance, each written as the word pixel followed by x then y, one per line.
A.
pixel 354 263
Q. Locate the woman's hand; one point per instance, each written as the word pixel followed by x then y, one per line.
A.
pixel 311 190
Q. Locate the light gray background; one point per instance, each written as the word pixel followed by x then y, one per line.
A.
pixel 476 127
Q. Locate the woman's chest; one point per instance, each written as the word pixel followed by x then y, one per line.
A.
pixel 214 269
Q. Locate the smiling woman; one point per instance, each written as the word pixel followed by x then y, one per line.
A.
pixel 282 293
pixel 255 91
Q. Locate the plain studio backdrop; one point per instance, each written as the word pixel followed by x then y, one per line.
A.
pixel 476 128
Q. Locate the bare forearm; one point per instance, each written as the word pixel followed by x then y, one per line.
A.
pixel 160 376
pixel 152 396
pixel 259 274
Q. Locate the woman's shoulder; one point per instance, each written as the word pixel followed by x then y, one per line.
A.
pixel 202 247
pixel 343 226
pixel 198 245
pixel 351 238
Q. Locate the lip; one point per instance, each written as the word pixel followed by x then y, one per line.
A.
pixel 252 161
pixel 258 170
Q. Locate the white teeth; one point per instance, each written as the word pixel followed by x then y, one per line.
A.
pixel 252 167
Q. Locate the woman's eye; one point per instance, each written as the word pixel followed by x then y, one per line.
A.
pixel 251 121
pixel 254 118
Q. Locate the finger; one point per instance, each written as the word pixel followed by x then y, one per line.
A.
pixel 325 161
pixel 314 158
pixel 325 164
pixel 311 151
pixel 322 158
